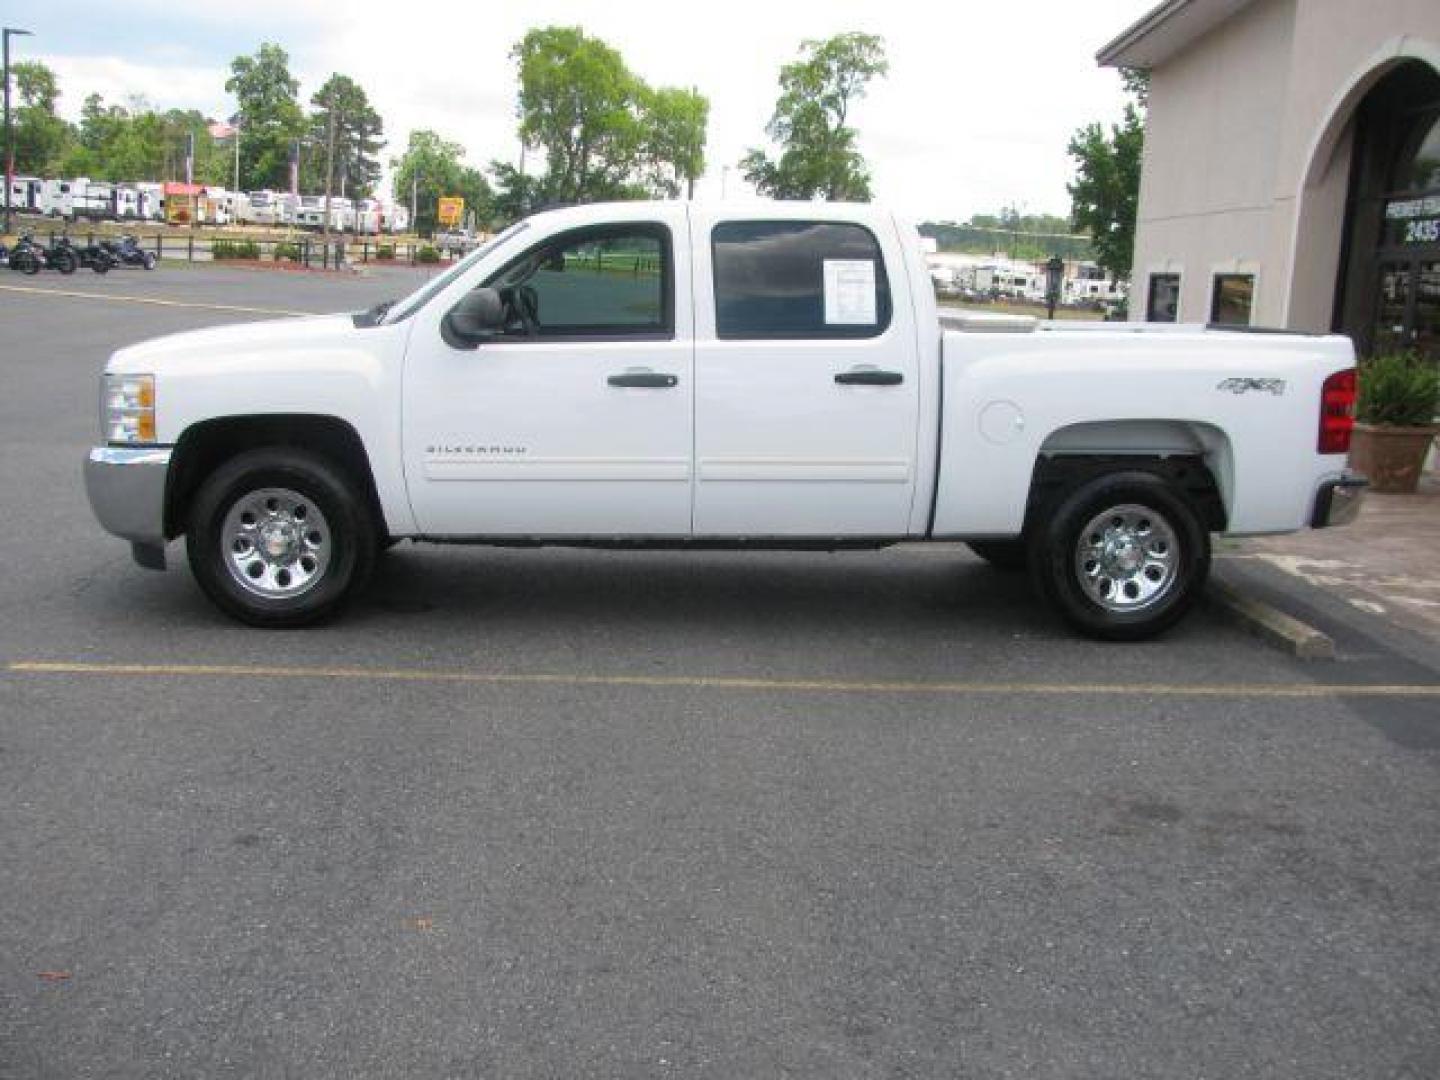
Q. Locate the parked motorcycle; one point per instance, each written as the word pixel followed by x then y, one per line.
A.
pixel 27 257
pixel 128 252
pixel 61 256
pixel 92 255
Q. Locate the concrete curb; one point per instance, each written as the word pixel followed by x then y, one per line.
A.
pixel 1285 632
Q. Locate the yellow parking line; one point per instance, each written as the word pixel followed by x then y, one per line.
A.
pixel 721 682
pixel 156 301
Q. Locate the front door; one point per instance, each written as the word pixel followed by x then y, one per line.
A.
pixel 577 420
pixel 806 404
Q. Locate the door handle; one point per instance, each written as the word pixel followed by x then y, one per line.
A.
pixel 653 380
pixel 869 377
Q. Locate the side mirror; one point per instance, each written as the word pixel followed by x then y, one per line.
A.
pixel 477 318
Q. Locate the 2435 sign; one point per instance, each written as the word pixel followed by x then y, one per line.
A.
pixel 1422 232
pixel 1413 221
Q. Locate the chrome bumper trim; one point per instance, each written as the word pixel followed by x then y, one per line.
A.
pixel 1338 501
pixel 126 486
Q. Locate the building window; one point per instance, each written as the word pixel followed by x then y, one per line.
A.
pixel 1231 299
pixel 1163 304
pixel 798 279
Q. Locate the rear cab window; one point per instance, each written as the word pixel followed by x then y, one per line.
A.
pixel 798 279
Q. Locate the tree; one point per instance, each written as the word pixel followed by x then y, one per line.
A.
pixel 271 117
pixel 41 136
pixel 140 143
pixel 818 155
pixel 358 132
pixel 432 167
pixel 515 193
pixel 674 143
pixel 1105 193
pixel 581 105
pixel 604 133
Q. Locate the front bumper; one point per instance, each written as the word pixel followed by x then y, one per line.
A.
pixel 1338 501
pixel 126 486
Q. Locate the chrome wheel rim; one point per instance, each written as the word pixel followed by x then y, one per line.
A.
pixel 276 543
pixel 1127 558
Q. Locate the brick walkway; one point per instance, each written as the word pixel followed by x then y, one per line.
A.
pixel 1387 563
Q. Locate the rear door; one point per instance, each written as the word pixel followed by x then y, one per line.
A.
pixel 806 376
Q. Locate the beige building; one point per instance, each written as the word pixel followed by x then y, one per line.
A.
pixel 1292 166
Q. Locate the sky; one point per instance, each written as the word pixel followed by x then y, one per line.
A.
pixel 974 115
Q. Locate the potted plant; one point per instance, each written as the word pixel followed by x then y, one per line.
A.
pixel 1395 419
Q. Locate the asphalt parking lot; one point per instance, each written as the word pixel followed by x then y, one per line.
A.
pixel 554 813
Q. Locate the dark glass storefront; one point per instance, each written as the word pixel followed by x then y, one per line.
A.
pixel 1389 289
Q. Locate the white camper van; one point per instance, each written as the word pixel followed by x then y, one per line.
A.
pixel 57 197
pixel 263 207
pixel 126 202
pixel 25 194
pixel 310 213
pixel 150 200
pixel 93 200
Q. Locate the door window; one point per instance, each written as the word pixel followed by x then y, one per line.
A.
pixel 1427 309
pixel 1391 306
pixel 798 279
pixel 610 282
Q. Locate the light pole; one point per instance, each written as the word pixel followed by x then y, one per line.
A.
pixel 1054 280
pixel 239 122
pixel 7 34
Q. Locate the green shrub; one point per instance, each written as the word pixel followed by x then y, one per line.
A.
pixel 427 254
pixel 287 250
pixel 1398 390
pixel 234 249
pixel 385 252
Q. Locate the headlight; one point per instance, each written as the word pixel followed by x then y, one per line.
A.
pixel 127 410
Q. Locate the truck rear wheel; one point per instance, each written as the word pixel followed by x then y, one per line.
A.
pixel 279 537
pixel 1123 557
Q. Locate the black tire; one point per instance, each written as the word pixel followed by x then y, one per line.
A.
pixel 100 265
pixel 320 485
pixel 1007 555
pixel 1150 524
pixel 149 260
pixel 26 263
pixel 63 261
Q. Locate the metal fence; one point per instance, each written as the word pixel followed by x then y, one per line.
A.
pixel 313 252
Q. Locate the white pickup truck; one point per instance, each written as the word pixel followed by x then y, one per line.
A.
pixel 676 375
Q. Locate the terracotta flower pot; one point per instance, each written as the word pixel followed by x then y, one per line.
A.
pixel 1391 457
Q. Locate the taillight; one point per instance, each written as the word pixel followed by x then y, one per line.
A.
pixel 1337 412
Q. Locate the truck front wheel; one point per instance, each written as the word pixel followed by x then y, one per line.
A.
pixel 279 537
pixel 1123 557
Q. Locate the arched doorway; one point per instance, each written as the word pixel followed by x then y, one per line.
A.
pixel 1388 294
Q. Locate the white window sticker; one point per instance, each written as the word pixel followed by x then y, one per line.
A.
pixel 850 292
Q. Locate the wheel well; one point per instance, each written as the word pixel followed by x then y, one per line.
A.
pixel 204 447
pixel 1057 475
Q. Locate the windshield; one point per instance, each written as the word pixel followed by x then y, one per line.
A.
pixel 420 297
